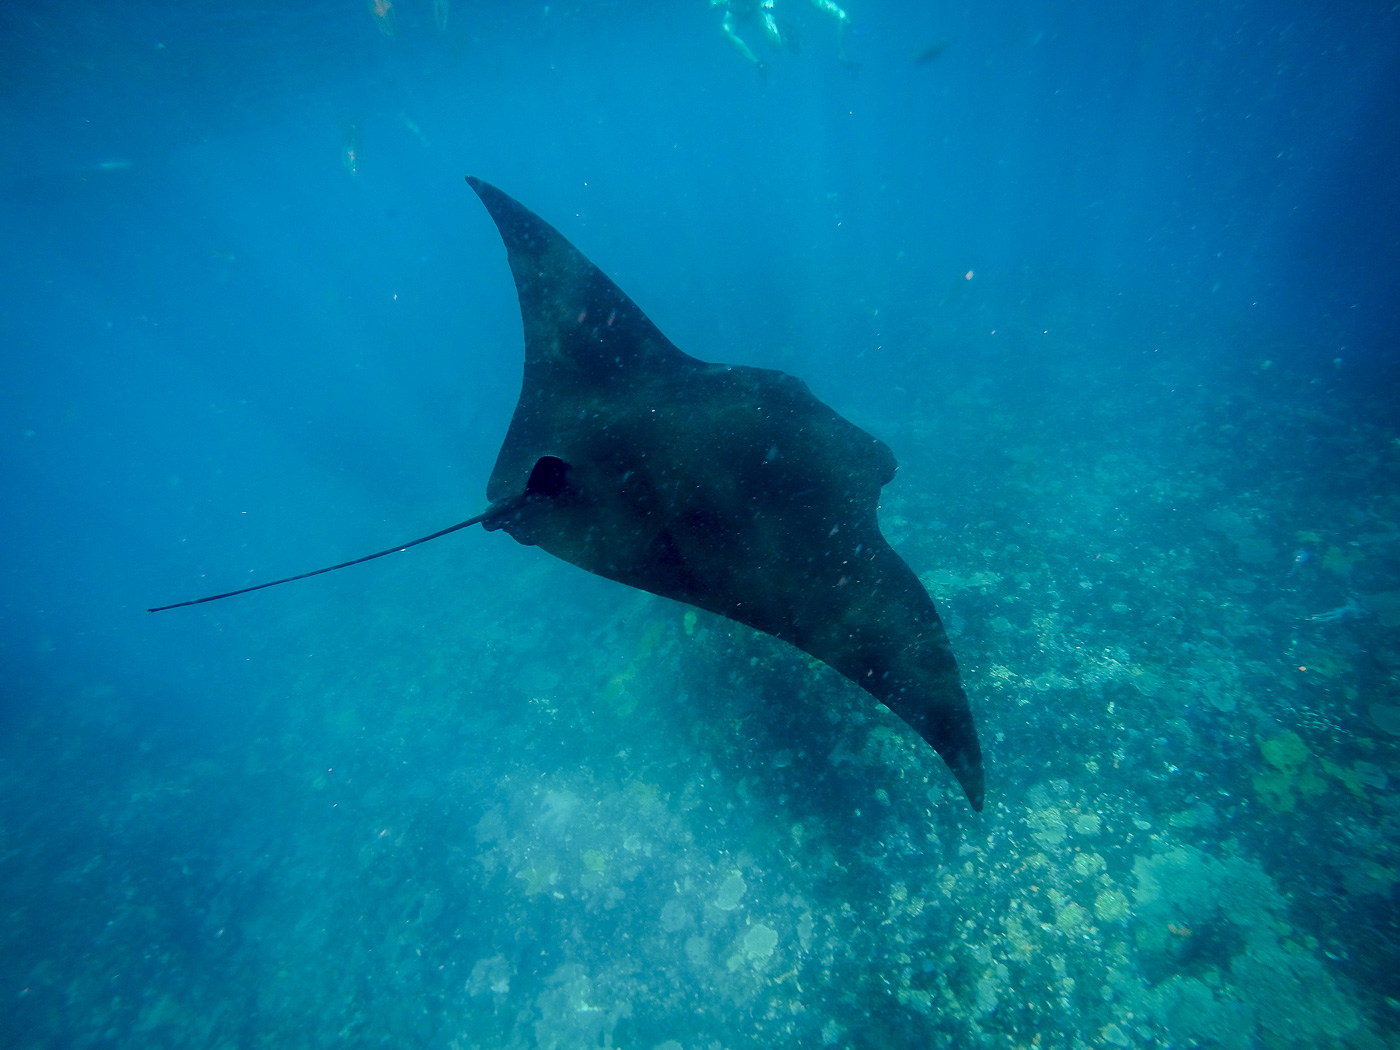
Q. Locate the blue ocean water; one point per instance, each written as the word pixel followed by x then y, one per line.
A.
pixel 1117 284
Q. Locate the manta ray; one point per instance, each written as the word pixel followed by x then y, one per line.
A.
pixel 728 487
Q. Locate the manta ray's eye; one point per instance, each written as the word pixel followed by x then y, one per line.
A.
pixel 548 477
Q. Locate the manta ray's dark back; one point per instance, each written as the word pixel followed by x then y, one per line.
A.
pixel 728 487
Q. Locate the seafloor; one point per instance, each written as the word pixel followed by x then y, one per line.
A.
pixel 507 805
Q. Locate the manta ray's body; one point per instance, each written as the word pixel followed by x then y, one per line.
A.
pixel 728 487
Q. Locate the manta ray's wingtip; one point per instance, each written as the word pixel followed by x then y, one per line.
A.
pixel 510 216
pixel 972 784
pixel 965 761
pixel 485 191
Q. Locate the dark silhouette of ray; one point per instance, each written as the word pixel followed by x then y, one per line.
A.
pixel 728 487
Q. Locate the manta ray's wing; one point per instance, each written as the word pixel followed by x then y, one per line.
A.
pixel 731 488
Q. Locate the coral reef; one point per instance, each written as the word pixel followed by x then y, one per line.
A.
pixel 673 833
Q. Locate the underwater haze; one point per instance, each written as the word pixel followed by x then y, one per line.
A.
pixel 1119 285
